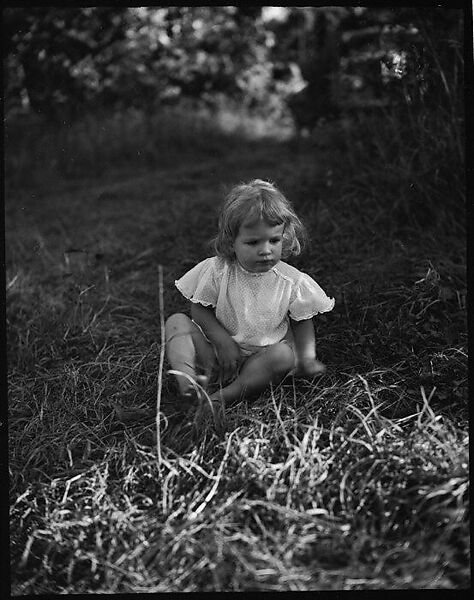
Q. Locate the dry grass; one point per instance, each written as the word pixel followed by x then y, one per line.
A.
pixel 131 141
pixel 358 480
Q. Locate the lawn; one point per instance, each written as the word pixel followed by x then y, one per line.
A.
pixel 356 480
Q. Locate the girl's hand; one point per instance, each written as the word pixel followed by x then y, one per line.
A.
pixel 228 357
pixel 310 367
pixel 228 352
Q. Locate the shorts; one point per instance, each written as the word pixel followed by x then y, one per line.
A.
pixel 251 350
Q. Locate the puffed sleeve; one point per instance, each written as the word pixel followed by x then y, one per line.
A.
pixel 308 299
pixel 201 283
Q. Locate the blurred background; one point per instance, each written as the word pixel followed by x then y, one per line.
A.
pixel 87 89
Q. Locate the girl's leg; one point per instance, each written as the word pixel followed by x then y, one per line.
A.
pixel 269 366
pixel 188 351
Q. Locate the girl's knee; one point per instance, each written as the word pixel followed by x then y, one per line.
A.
pixel 178 322
pixel 282 358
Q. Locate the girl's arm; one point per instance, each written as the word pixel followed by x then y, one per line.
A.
pixel 305 346
pixel 228 352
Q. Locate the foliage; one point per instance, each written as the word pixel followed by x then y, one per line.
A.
pixel 422 158
pixel 145 55
pixel 60 61
pixel 56 55
pixel 360 59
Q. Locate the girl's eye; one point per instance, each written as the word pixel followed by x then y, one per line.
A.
pixel 252 243
pixel 275 240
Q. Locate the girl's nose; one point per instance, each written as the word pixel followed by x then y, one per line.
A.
pixel 265 249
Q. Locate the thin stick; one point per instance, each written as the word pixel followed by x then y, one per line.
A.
pixel 162 359
pixel 197 386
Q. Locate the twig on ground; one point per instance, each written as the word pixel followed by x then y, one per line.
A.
pixel 162 358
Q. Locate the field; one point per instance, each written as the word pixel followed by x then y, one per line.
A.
pixel 356 480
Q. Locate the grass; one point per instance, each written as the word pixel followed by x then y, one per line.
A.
pixel 357 480
pixel 104 143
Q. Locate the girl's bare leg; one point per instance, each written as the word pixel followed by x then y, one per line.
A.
pixel 269 366
pixel 188 351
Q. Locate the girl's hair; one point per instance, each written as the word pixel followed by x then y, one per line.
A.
pixel 251 202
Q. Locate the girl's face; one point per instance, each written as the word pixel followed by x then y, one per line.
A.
pixel 258 245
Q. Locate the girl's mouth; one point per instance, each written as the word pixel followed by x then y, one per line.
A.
pixel 264 262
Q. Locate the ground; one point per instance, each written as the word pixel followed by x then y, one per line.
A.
pixel 357 480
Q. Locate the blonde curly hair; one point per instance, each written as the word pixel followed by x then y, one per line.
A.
pixel 254 201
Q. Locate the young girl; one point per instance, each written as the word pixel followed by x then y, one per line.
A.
pixel 251 313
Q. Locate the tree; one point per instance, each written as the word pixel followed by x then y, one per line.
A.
pixel 67 59
pixel 45 48
pixel 358 58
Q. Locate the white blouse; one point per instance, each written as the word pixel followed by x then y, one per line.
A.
pixel 254 307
